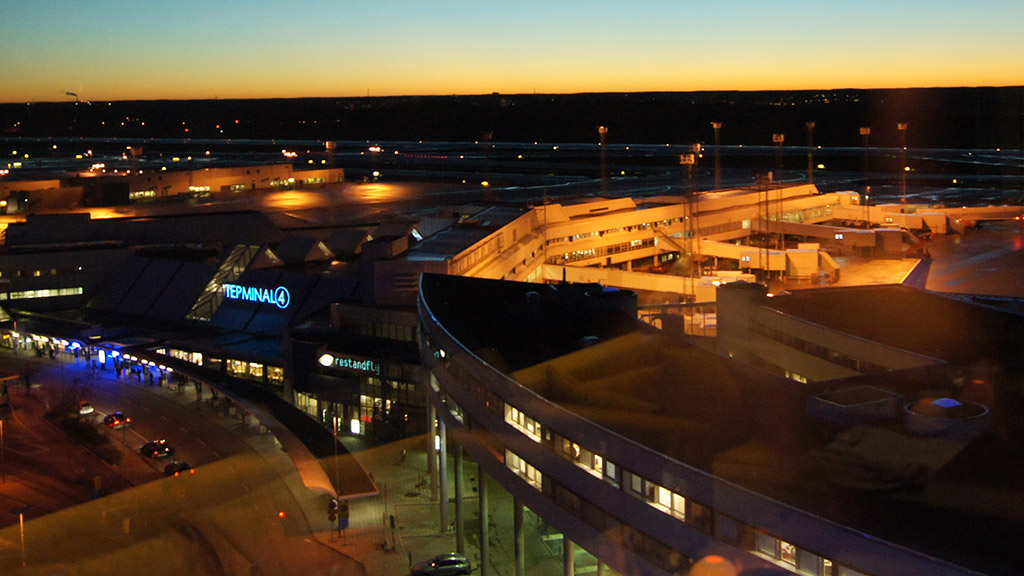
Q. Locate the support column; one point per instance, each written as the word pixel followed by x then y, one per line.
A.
pixel 431 451
pixel 520 540
pixel 485 527
pixel 568 557
pixel 460 536
pixel 443 467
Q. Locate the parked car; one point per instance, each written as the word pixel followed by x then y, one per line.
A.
pixel 117 420
pixel 177 467
pixel 157 449
pixel 443 565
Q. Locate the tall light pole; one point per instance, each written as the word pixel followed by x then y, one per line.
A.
pixel 603 133
pixel 718 166
pixel 902 127
pixel 778 139
pixel 865 134
pixel 810 152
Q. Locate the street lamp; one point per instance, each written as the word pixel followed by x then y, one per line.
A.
pixel 902 127
pixel 718 167
pixel 778 139
pixel 603 132
pixel 810 152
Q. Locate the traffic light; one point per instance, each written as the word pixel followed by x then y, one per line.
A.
pixel 332 509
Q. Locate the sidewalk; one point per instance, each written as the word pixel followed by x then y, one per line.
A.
pixel 397 469
pixel 417 535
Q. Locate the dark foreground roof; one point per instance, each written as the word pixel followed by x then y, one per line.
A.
pixel 954 499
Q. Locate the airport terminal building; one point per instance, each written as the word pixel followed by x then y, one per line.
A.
pixel 657 451
pixel 540 376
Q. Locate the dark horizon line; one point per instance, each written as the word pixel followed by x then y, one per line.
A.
pixel 524 94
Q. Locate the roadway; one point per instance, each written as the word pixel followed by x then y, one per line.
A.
pixel 225 519
pixel 244 511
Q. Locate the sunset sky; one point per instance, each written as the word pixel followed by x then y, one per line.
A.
pixel 127 50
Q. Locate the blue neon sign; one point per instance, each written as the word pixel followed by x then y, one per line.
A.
pixel 279 296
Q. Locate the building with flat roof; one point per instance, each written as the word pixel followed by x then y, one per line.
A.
pixel 555 370
pixel 652 450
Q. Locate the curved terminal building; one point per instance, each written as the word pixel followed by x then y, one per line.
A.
pixel 813 436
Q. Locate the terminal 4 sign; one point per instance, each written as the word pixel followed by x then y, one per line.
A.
pixel 279 296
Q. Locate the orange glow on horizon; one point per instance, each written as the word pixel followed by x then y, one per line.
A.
pixel 179 52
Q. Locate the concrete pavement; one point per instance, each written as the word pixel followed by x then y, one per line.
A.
pixel 67 486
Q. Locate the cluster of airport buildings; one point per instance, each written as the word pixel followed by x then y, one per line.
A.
pixel 828 432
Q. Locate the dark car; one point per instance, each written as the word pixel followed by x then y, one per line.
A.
pixel 117 420
pixel 177 467
pixel 443 565
pixel 157 449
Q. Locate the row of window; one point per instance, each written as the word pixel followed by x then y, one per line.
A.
pixel 703 517
pixel 44 293
pixel 377 393
pixel 388 331
pixel 461 264
pixel 761 543
pixel 40 272
pixel 238 368
pixel 609 250
pixel 814 349
pixel 602 233
pixel 803 215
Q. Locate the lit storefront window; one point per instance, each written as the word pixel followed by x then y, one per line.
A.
pixel 306 403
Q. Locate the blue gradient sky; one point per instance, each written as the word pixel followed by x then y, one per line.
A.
pixel 140 49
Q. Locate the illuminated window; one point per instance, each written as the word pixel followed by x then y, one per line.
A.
pixel 256 370
pixel 522 422
pixel 787 552
pixel 523 469
pixel 366 407
pixel 45 293
pixel 238 367
pixel 275 374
